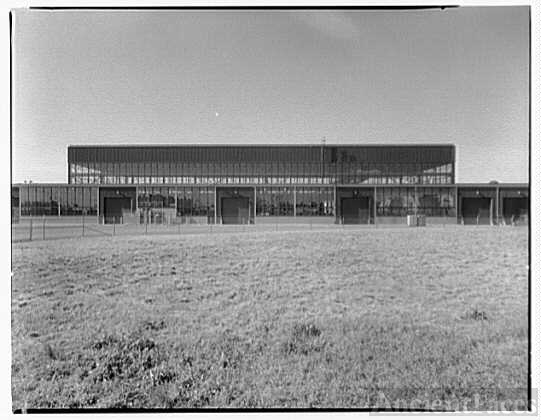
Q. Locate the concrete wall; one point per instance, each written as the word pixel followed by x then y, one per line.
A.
pixel 430 221
pixel 260 220
pixel 61 220
pixel 198 220
pixel 434 221
pixel 314 220
pixel 391 220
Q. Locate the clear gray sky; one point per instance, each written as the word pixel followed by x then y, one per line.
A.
pixel 362 77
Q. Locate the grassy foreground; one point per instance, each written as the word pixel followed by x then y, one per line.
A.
pixel 276 319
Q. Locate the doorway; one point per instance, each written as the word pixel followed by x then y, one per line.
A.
pixel 356 210
pixel 235 210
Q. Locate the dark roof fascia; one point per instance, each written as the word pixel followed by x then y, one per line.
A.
pixel 106 146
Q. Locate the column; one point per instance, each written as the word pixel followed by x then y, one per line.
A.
pixel 294 201
pixel 457 205
pixel 415 202
pixel 255 204
pixel 335 207
pixel 98 203
pixel 491 221
pixel 497 205
pixel 375 207
pixel 215 206
pixel 176 202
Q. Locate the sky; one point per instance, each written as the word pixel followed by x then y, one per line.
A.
pixel 278 77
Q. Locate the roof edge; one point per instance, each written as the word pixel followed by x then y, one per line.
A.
pixel 262 145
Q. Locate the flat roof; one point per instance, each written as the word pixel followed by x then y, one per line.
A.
pixel 459 185
pixel 264 145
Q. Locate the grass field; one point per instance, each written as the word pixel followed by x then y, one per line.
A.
pixel 326 318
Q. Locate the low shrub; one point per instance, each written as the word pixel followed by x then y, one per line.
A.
pixel 475 315
pixel 305 338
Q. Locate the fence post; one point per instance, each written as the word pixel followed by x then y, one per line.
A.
pixel 83 224
pixel 30 229
pixel 114 225
pixel 43 227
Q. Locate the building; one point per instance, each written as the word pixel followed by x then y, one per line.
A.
pixel 253 184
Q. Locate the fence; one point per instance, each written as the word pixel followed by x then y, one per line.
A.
pixel 45 228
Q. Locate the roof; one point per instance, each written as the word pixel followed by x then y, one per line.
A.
pixel 459 185
pixel 262 145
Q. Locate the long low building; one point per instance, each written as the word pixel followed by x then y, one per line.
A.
pixel 252 184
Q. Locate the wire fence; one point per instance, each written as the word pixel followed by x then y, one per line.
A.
pixel 45 228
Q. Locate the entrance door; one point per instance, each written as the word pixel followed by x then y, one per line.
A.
pixel 235 210
pixel 356 210
pixel 113 207
pixel 515 209
pixel 476 210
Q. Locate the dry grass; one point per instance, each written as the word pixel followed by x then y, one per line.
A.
pixel 300 319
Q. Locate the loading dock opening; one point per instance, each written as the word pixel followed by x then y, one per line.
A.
pixel 116 202
pixel 355 210
pixel 235 210
pixel 114 207
pixel 476 210
pixel 235 205
pixel 515 209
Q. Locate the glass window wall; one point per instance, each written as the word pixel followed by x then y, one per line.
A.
pixel 400 201
pixel 265 166
pixel 39 200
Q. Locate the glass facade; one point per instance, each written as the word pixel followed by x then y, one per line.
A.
pixel 295 201
pixel 188 201
pixel 275 201
pixel 55 200
pixel 286 181
pixel 288 201
pixel 401 201
pixel 262 165
pixel 314 201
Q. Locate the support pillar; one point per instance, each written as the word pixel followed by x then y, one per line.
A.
pixel 137 202
pixel 335 207
pixel 457 205
pixel 215 206
pixel 498 206
pixel 98 203
pixel 491 218
pixel 294 201
pixel 255 205
pixel 415 202
pixel 176 204
pixel 375 206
